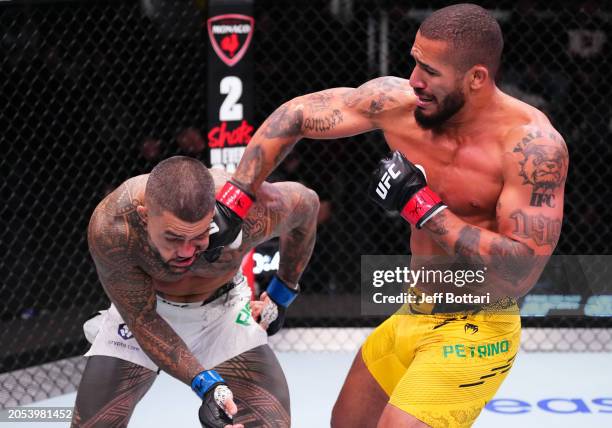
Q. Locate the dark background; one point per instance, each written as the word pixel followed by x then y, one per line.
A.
pixel 94 92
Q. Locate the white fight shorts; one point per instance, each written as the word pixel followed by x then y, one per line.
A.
pixel 214 332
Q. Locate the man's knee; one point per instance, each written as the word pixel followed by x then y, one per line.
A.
pixel 343 411
pixel 361 399
pixel 259 387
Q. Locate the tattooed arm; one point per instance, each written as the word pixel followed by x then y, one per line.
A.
pixel 131 291
pixel 529 214
pixel 289 211
pixel 332 113
pixel 298 234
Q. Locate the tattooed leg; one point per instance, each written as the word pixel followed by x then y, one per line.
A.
pixel 260 388
pixel 109 391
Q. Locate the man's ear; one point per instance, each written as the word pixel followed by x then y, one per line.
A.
pixel 142 212
pixel 479 76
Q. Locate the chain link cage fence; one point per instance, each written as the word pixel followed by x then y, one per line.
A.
pixel 95 92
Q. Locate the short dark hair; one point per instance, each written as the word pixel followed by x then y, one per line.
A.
pixel 473 34
pixel 183 186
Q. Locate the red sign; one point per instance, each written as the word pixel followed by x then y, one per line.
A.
pixel 230 36
pixel 220 136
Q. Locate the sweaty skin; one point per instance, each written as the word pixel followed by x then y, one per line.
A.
pixel 498 164
pixel 132 271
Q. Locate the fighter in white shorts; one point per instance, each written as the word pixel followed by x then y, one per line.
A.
pixel 169 260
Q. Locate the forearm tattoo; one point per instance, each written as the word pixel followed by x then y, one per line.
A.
pixel 511 260
pixel 257 162
pixel 467 245
pixel 251 164
pixel 289 211
pixel 437 224
pixel 263 221
pixel 296 245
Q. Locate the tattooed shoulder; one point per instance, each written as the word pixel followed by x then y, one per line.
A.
pixel 107 237
pixel 378 95
pixel 110 231
pixel 543 162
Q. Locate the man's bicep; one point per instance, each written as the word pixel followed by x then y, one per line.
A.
pixel 530 206
pixel 320 115
pixel 339 112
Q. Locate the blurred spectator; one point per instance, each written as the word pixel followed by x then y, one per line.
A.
pixel 587 33
pixel 191 142
pixel 588 48
pixel 150 149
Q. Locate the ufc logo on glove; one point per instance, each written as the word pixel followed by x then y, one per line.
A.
pixel 383 185
pixel 408 194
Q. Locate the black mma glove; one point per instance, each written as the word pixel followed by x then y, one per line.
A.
pixel 231 208
pixel 273 314
pixel 213 391
pixel 399 185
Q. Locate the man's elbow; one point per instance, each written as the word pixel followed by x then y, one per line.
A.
pixel 287 120
pixel 313 204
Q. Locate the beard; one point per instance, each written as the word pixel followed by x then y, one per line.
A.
pixel 451 104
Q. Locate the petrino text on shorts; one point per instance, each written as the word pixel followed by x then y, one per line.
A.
pixel 431 298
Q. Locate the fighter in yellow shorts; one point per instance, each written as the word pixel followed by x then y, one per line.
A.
pixel 443 368
pixel 492 195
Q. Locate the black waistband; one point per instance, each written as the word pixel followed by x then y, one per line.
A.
pixel 224 289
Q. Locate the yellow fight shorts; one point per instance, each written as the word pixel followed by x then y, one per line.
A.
pixel 443 368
